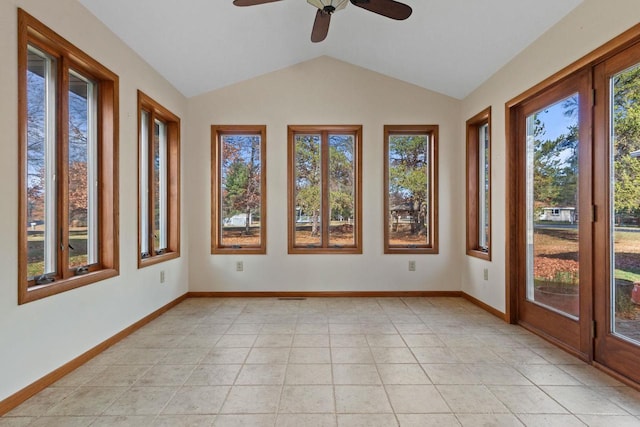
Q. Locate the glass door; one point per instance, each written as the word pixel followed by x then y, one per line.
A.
pixel 555 284
pixel 617 141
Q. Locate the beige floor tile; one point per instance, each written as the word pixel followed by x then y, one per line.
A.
pixel 141 401
pixel 267 355
pixel 195 400
pixel 165 375
pixel 278 328
pixel 119 376
pixel 610 420
pixel 378 328
pixel 345 328
pixel 625 397
pixel 583 400
pixel 261 375
pixel 312 328
pixel 62 422
pixel 366 420
pixel 547 375
pixel 244 399
pixel 588 375
pixel 17 421
pixel 406 373
pixel 428 420
pixel 306 420
pixel 494 420
pixel 471 399
pixel 434 355
pixel 311 340
pixel 184 356
pixel 226 356
pixel 214 375
pixel 184 421
pixel 413 328
pixel 123 421
pixel 551 420
pixel 307 399
pixel 87 401
pixel 526 400
pixel 309 355
pixel 273 340
pixel 263 420
pixel 351 355
pixel 355 374
pixel 351 399
pixel 499 374
pixel 140 356
pixel 309 374
pixel 385 340
pixel 349 340
pixel 199 341
pixel 519 356
pixel 450 373
pixel 422 340
pixel 416 399
pixel 392 355
pixel 41 402
pixel 244 328
pixel 236 340
pixel 81 375
pixel 485 355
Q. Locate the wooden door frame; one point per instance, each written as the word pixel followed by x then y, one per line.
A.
pixel 513 250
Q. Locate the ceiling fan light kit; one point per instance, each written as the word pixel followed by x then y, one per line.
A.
pixel 389 8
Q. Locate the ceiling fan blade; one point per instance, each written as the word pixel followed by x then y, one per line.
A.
pixel 251 2
pixel 320 26
pixel 389 8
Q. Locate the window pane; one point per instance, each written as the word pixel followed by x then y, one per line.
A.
pixel 159 186
pixel 144 184
pixel 341 190
pixel 41 159
pixel 552 194
pixel 409 196
pixel 82 171
pixel 240 195
pixel 308 190
pixel 483 186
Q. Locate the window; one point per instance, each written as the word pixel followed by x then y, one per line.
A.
pixel 68 130
pixel 239 205
pixel 411 189
pixel 479 185
pixel 325 189
pixel 159 183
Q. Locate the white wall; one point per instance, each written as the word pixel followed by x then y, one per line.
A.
pixel 590 25
pixel 323 91
pixel 40 336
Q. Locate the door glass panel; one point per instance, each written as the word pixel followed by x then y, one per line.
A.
pixel 341 190
pixel 308 197
pixel 552 208
pixel 625 206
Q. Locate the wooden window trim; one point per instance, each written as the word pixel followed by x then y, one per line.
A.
pixel 33 32
pixel 473 185
pixel 217 131
pixel 356 130
pixel 432 130
pixel 157 111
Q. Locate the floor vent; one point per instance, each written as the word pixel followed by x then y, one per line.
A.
pixel 292 298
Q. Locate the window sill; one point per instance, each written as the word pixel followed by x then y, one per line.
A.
pixel 157 259
pixel 35 293
pixel 478 253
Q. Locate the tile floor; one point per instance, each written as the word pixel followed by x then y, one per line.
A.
pixel 331 362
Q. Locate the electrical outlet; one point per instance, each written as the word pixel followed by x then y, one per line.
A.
pixel 412 265
pixel 486 274
pixel 161 276
pixel 239 266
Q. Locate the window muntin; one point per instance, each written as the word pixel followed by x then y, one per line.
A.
pixel 479 185
pixel 159 177
pixel 239 189
pixel 410 189
pixel 325 182
pixel 68 168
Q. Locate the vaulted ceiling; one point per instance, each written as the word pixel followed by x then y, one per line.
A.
pixel 448 46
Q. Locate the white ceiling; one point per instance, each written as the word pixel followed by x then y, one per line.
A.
pixel 448 46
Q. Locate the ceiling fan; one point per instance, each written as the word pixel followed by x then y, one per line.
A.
pixel 389 8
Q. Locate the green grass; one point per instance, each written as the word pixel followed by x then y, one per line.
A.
pixel 630 276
